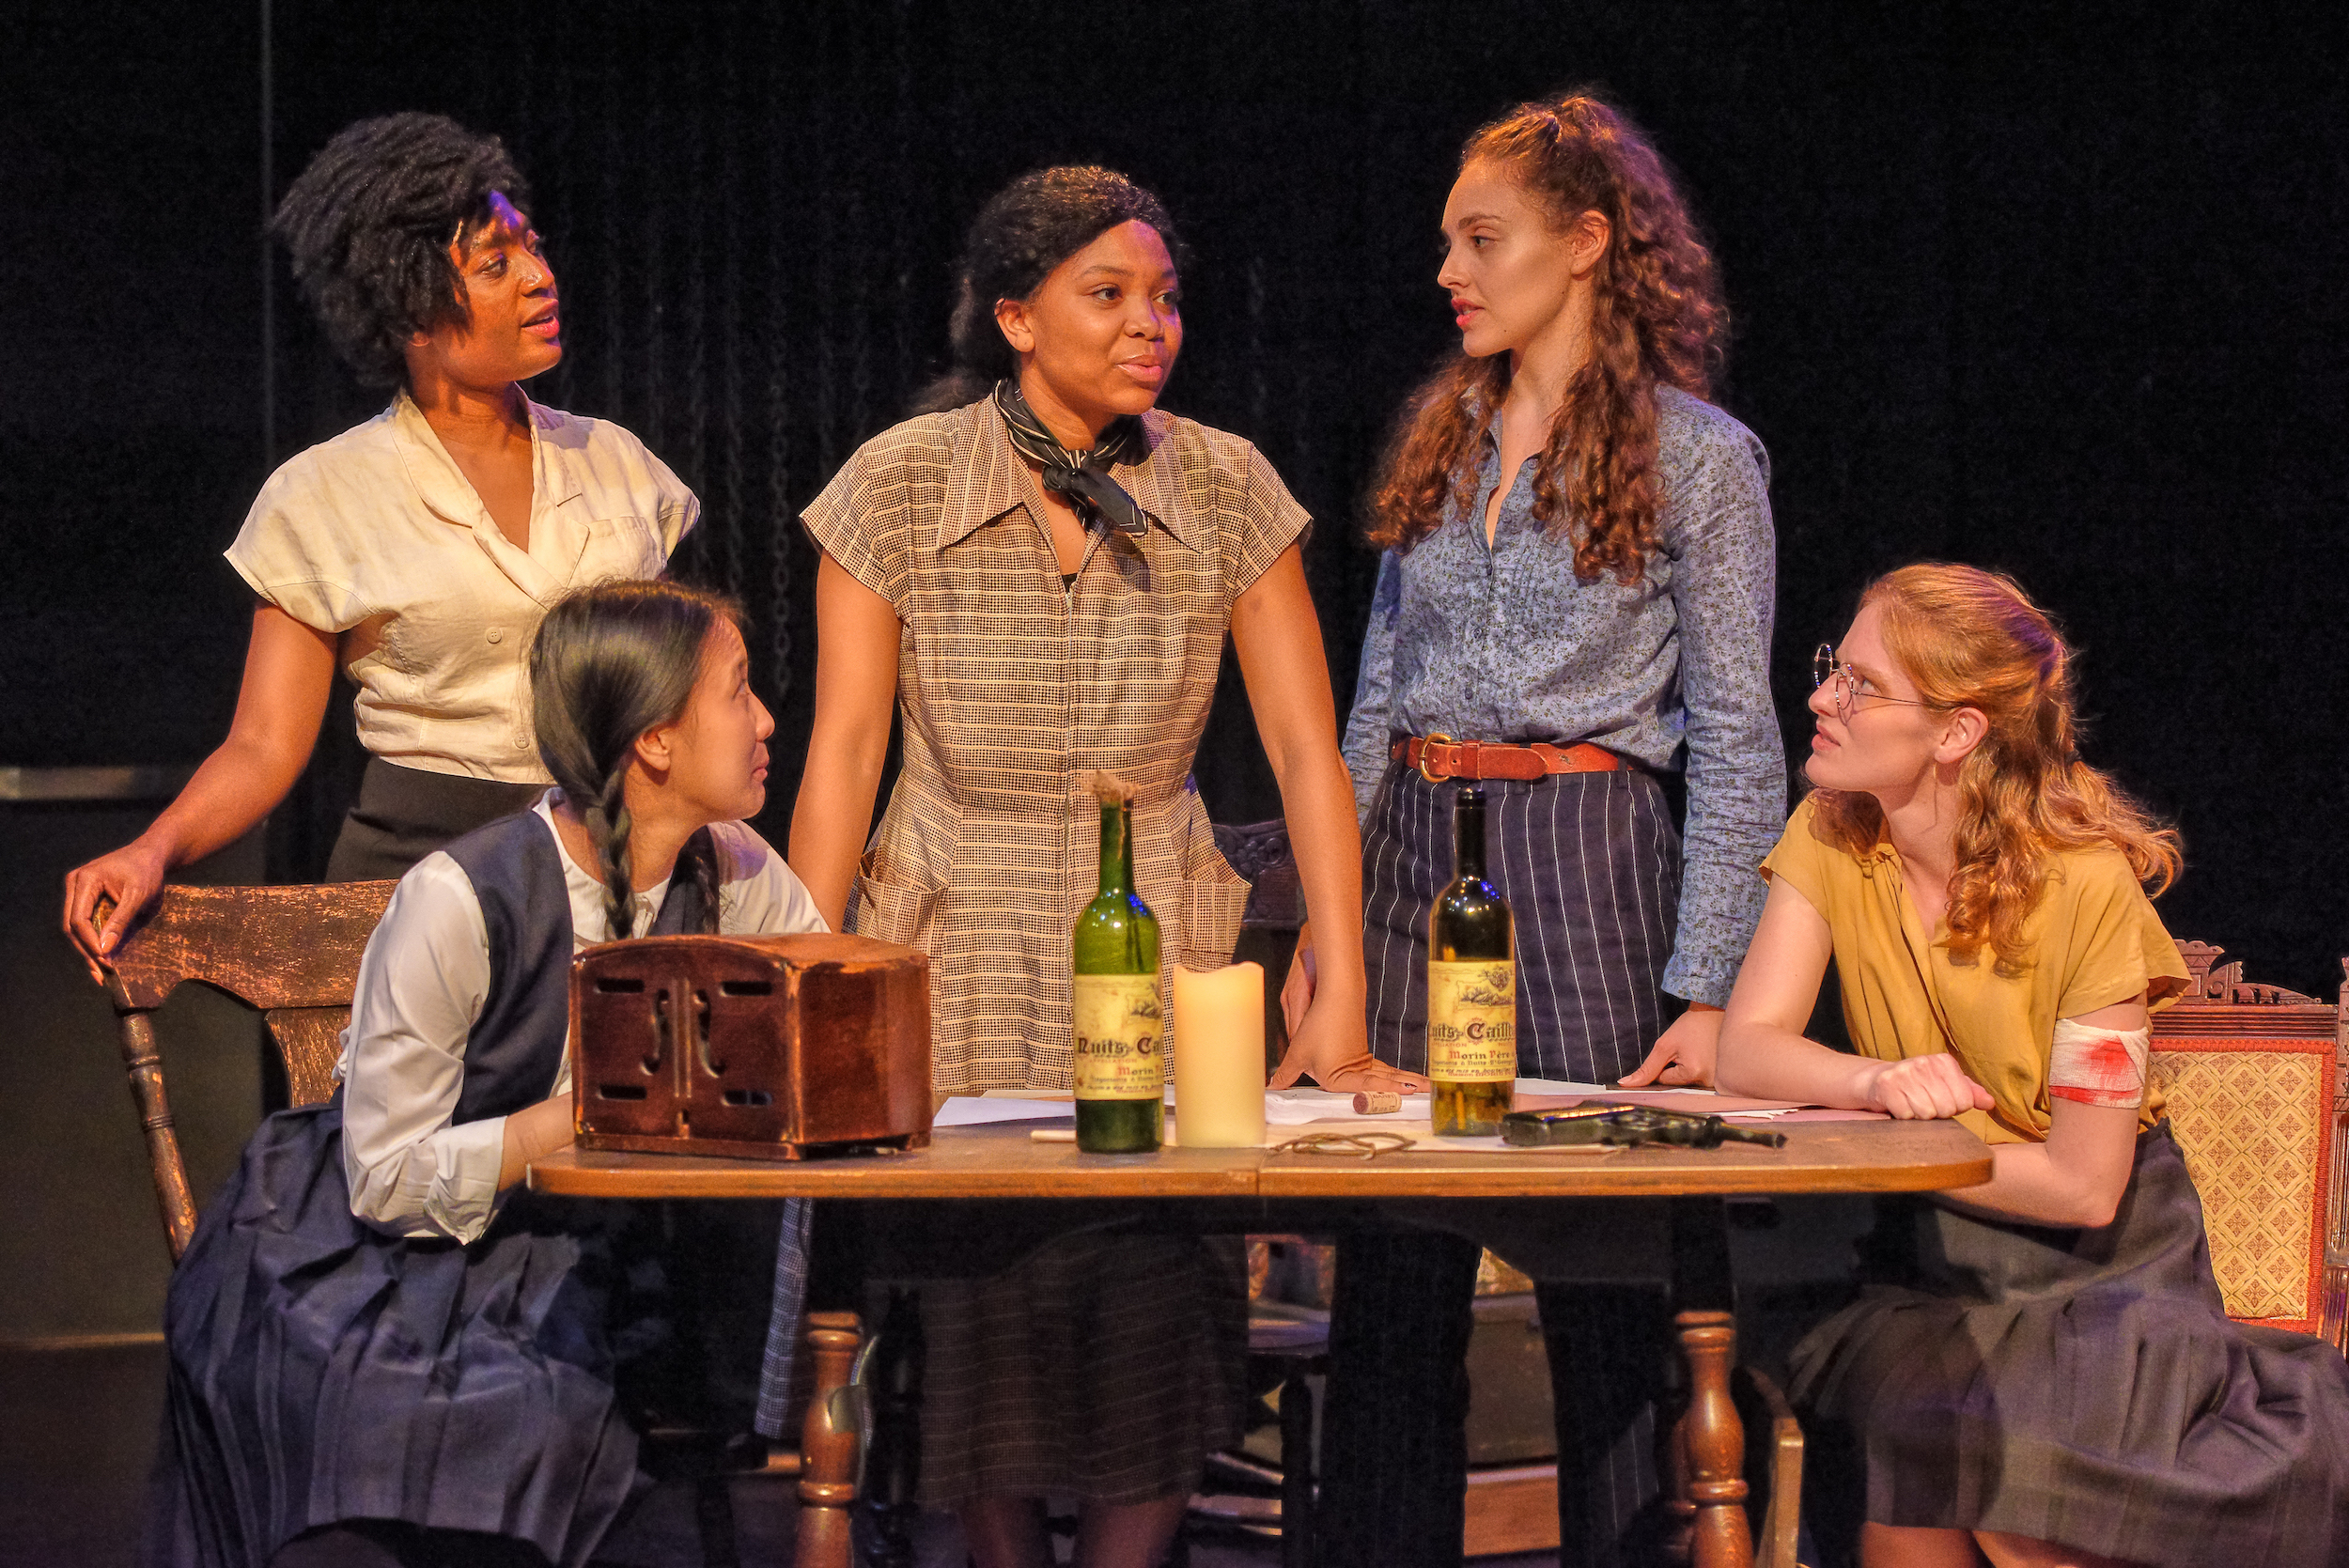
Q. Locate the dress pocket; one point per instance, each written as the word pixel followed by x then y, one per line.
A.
pixel 889 913
pixel 1213 899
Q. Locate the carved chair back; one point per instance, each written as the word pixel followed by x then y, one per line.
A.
pixel 292 953
pixel 2253 1081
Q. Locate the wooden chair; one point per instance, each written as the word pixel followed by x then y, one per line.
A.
pixel 2252 1078
pixel 293 954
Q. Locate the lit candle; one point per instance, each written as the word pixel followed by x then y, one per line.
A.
pixel 1218 1057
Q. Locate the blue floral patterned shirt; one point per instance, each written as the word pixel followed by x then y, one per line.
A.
pixel 1505 644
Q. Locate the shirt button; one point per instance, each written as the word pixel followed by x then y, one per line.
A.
pixel 497 634
pixel 521 744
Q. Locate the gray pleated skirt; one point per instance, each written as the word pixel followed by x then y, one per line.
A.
pixel 2083 1387
pixel 1590 863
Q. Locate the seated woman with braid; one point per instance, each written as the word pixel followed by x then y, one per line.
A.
pixel 2041 1370
pixel 379 1353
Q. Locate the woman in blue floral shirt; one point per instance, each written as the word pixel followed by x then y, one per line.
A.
pixel 1578 579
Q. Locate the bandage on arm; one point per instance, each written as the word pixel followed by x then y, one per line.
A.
pixel 2099 1067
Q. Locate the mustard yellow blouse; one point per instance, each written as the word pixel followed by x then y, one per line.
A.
pixel 2093 941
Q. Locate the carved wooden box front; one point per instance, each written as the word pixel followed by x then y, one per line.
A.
pixel 768 1046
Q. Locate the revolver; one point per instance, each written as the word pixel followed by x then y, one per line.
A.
pixel 1628 1124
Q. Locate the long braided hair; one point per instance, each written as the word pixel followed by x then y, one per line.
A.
pixel 1658 319
pixel 610 662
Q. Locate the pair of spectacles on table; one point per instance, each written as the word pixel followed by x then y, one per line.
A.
pixel 1847 686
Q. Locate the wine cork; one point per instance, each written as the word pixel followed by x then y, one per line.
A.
pixel 1110 789
pixel 1377 1103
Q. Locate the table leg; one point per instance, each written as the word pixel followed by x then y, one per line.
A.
pixel 828 1446
pixel 1714 1443
pixel 1298 1471
pixel 892 1455
pixel 1709 1444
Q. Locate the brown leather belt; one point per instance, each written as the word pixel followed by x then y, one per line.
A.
pixel 1438 757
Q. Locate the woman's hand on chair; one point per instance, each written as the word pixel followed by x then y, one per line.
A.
pixel 129 878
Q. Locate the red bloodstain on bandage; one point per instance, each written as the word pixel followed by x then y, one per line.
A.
pixel 2098 1066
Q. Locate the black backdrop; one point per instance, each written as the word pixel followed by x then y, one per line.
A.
pixel 2052 291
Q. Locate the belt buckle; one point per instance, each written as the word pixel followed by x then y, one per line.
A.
pixel 1426 748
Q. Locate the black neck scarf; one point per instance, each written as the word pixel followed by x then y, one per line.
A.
pixel 1083 476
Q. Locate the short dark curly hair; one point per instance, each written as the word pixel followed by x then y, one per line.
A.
pixel 1026 230
pixel 369 221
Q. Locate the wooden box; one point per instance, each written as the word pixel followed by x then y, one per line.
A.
pixel 770 1048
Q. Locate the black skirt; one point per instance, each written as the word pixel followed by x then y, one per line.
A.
pixel 404 814
pixel 2083 1387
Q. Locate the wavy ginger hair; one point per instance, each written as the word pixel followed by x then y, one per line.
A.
pixel 1969 638
pixel 1658 317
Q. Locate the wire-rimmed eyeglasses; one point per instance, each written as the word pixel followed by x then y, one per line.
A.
pixel 1847 684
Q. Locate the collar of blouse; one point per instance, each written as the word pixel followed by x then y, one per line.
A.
pixel 986 478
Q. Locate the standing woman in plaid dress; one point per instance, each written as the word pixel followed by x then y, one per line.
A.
pixel 1578 575
pixel 1037 577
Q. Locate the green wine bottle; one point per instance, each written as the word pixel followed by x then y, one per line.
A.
pixel 1471 988
pixel 1120 1067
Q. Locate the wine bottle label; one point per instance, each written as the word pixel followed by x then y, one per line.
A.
pixel 1472 1021
pixel 1119 1041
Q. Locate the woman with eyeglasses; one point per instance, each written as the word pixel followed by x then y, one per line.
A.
pixel 414 554
pixel 1578 575
pixel 1036 577
pixel 2041 1370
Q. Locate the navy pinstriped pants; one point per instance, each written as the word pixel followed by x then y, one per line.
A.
pixel 1590 863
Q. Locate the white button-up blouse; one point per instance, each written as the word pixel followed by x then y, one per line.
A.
pixel 422 985
pixel 377 537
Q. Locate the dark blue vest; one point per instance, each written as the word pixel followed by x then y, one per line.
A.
pixel 517 1044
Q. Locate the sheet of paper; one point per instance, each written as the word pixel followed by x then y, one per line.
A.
pixel 977 1110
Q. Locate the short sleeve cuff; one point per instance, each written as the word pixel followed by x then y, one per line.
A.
pixel 1274 521
pixel 833 522
pixel 1799 871
pixel 316 602
pixel 1695 982
pixel 2123 979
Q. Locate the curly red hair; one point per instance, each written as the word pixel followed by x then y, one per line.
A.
pixel 1658 317
pixel 1969 638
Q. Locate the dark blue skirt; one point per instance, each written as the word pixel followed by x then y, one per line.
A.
pixel 322 1371
pixel 1590 863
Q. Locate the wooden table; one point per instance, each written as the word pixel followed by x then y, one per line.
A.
pixel 1048 1188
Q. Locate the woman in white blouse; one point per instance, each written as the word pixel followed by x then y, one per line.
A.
pixel 419 550
pixel 375 1339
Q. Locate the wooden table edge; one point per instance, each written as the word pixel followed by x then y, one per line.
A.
pixel 1530 1176
pixel 575 1174
pixel 578 1173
